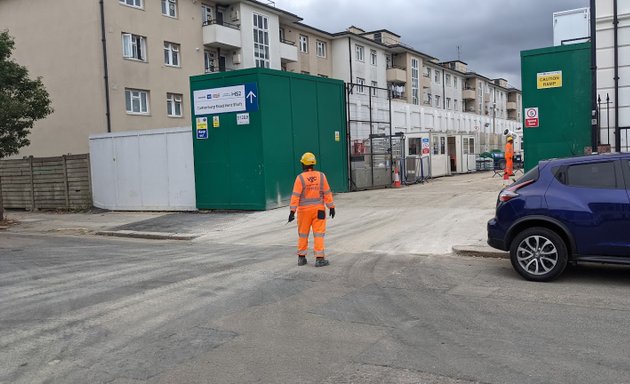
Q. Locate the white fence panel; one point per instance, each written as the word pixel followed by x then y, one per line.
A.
pixel 149 170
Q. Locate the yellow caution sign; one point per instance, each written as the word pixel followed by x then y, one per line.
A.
pixel 549 79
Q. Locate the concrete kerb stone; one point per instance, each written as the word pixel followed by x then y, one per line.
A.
pixel 479 251
pixel 149 235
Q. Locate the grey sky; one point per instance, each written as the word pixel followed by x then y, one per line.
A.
pixel 490 33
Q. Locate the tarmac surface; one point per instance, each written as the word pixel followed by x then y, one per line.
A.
pixel 442 216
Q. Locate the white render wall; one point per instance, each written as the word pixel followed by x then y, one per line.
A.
pixel 151 170
pixel 605 67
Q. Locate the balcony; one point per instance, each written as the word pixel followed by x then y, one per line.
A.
pixel 396 75
pixel 469 94
pixel 223 35
pixel 288 51
pixel 511 106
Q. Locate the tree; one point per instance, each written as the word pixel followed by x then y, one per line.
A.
pixel 22 100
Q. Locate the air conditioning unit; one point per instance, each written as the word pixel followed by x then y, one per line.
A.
pixel 236 14
pixel 236 58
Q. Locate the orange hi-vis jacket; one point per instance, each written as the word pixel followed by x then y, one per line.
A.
pixel 509 150
pixel 311 191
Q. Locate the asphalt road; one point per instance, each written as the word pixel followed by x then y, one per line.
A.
pixel 85 309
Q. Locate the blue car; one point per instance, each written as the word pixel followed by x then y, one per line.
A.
pixel 565 211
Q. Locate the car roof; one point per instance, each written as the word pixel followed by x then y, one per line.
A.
pixel 589 158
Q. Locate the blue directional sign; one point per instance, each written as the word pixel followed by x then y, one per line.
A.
pixel 234 98
pixel 202 134
pixel 251 97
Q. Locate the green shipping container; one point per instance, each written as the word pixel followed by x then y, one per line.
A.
pixel 556 85
pixel 250 127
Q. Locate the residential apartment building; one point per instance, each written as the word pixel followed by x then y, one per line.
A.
pixel 313 49
pixel 128 68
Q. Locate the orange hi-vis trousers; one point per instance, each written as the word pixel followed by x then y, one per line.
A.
pixel 307 219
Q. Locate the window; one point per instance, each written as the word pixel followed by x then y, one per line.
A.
pixel 448 103
pixel 359 50
pixel 360 84
pixel 303 43
pixel 208 61
pixel 448 80
pixel 261 41
pixel 429 98
pixel 134 47
pixel 374 86
pixel 455 106
pixel 321 49
pixel 372 57
pixel 206 14
pixel 471 144
pixel 137 101
pixel 454 81
pixel 132 3
pixel 282 35
pixel 415 73
pixel 171 54
pixel 174 104
pixel 428 74
pixel 169 8
pixel 439 145
pixel 437 101
pixel 592 175
pixel 437 77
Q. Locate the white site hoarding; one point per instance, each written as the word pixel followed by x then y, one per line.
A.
pixel 150 170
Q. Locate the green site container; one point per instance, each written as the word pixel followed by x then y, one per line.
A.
pixel 250 127
pixel 556 81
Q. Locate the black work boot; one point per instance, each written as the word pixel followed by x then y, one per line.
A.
pixel 301 260
pixel 321 262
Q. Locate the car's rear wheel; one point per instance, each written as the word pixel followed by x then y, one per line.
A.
pixel 538 254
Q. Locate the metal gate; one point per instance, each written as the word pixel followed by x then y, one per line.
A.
pixel 374 150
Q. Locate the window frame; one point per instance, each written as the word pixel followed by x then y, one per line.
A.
pixel 261 48
pixel 165 5
pixel 321 48
pixel 207 13
pixel 172 102
pixel 209 58
pixel 131 98
pixel 303 39
pixel 360 85
pixel 359 50
pixel 126 3
pixel 373 57
pixel 172 52
pixel 140 47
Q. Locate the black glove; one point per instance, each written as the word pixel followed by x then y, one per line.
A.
pixel 291 217
pixel 332 213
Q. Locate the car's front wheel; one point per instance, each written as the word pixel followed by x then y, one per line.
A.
pixel 538 254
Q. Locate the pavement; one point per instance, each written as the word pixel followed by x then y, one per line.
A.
pixel 444 216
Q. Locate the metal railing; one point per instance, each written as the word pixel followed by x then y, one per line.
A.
pixel 223 23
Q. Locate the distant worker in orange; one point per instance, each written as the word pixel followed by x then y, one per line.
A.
pixel 311 195
pixel 509 156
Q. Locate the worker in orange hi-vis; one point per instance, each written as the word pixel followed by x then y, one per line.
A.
pixel 509 156
pixel 311 195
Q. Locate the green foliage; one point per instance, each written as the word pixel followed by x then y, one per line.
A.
pixel 22 100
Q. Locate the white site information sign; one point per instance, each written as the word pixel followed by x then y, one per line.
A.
pixel 220 100
pixel 242 118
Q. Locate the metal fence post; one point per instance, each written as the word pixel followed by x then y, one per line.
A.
pixel 1 206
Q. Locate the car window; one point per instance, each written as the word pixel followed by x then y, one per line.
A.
pixel 592 175
pixel 532 174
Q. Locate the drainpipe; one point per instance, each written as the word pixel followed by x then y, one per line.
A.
pixel 106 75
pixel 595 132
pixel 350 60
pixel 616 43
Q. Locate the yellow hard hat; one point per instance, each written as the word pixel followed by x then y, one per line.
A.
pixel 308 159
pixel 510 138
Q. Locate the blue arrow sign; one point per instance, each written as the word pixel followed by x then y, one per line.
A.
pixel 251 97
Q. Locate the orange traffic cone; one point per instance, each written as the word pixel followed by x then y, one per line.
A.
pixel 396 178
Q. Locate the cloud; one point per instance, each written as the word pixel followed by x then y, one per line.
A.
pixel 490 33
